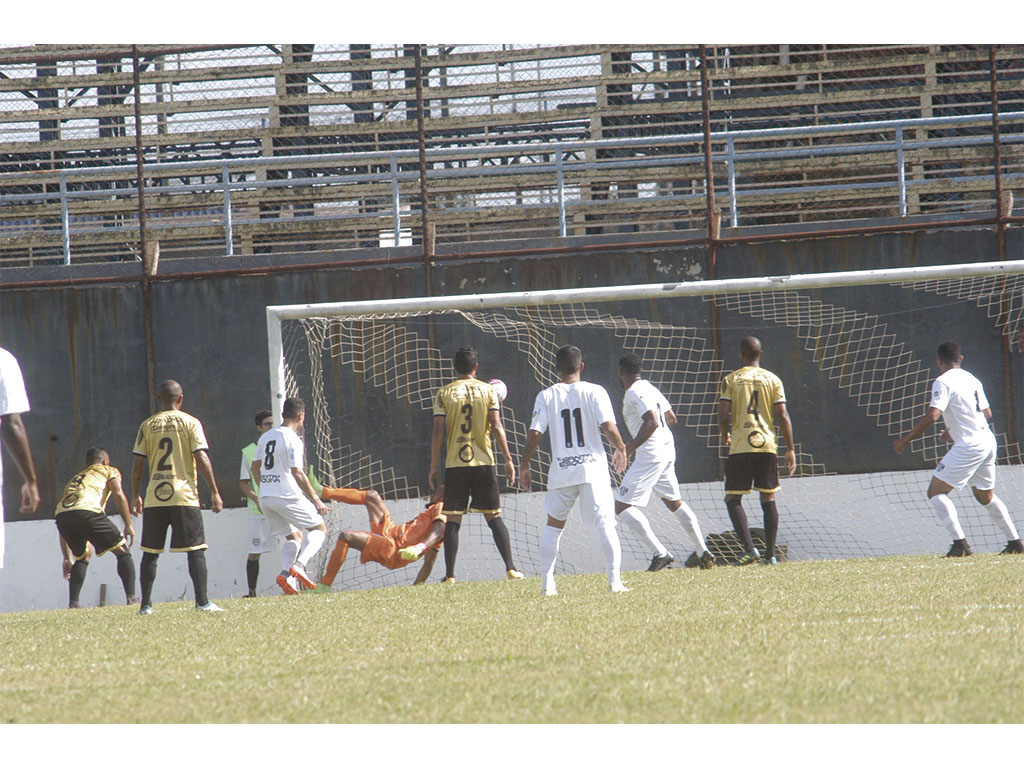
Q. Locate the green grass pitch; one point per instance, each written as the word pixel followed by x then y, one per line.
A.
pixel 888 640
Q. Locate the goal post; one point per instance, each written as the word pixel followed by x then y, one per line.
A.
pixel 855 350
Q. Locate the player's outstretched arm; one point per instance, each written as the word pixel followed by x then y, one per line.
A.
pixel 532 441
pixel 307 488
pixel 650 423
pixel 923 425
pixel 121 503
pixel 436 437
pixel 618 447
pixel 206 470
pixel 725 420
pixel 786 426
pixel 498 428
pixel 138 465
pixel 15 437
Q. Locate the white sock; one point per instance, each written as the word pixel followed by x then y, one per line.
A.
pixel 612 553
pixel 1001 515
pixel 314 540
pixel 289 551
pixel 947 515
pixel 638 521
pixel 688 520
pixel 548 554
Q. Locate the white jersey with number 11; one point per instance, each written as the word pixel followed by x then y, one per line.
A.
pixel 574 414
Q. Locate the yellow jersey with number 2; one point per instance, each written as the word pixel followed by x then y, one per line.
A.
pixel 168 440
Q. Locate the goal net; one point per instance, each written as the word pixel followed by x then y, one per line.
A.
pixel 855 351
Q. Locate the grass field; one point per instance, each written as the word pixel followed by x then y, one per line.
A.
pixel 909 639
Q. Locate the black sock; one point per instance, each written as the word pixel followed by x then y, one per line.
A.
pixel 126 570
pixel 500 533
pixel 252 573
pixel 739 521
pixel 451 547
pixel 77 580
pixel 197 570
pixel 147 575
pixel 771 527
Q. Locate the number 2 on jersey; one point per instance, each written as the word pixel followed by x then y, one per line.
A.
pixel 167 446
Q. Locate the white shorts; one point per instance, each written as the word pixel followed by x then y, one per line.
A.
pixel 969 465
pixel 287 516
pixel 645 476
pixel 597 506
pixel 259 535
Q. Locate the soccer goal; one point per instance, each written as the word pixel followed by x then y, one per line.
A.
pixel 855 350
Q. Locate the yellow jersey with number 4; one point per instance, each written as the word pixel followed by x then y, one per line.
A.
pixel 753 392
pixel 466 405
pixel 168 440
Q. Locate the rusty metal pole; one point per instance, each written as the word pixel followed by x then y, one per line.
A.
pixel 712 234
pixel 428 233
pixel 1001 214
pixel 147 294
pixel 709 180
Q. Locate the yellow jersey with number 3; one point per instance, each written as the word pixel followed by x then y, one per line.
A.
pixel 466 405
pixel 168 440
pixel 753 392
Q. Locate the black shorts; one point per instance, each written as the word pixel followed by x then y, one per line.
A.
pixel 186 524
pixel 479 482
pixel 758 469
pixel 80 526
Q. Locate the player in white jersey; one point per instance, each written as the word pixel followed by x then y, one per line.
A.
pixel 13 403
pixel 288 499
pixel 960 399
pixel 649 418
pixel 577 413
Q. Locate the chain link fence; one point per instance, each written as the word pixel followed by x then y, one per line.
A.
pixel 305 149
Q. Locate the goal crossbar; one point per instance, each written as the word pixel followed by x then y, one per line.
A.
pixel 469 302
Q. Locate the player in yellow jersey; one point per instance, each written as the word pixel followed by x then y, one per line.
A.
pixel 751 400
pixel 82 520
pixel 468 412
pixel 174 444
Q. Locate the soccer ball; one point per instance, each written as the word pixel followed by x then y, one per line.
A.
pixel 500 388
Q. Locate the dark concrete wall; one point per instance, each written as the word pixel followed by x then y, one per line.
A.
pixel 83 354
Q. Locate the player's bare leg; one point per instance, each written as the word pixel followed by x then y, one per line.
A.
pixel 355 539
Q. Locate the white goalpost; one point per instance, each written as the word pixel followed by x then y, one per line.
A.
pixel 855 350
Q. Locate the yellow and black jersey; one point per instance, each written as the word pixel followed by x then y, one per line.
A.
pixel 754 393
pixel 88 490
pixel 466 405
pixel 168 440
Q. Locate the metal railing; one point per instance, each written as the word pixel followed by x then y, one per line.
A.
pixel 544 182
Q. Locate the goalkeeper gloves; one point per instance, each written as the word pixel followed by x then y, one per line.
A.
pixel 409 554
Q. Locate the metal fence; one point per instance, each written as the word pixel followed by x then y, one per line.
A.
pixel 298 149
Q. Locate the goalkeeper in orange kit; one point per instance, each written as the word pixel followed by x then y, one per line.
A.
pixel 393 546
